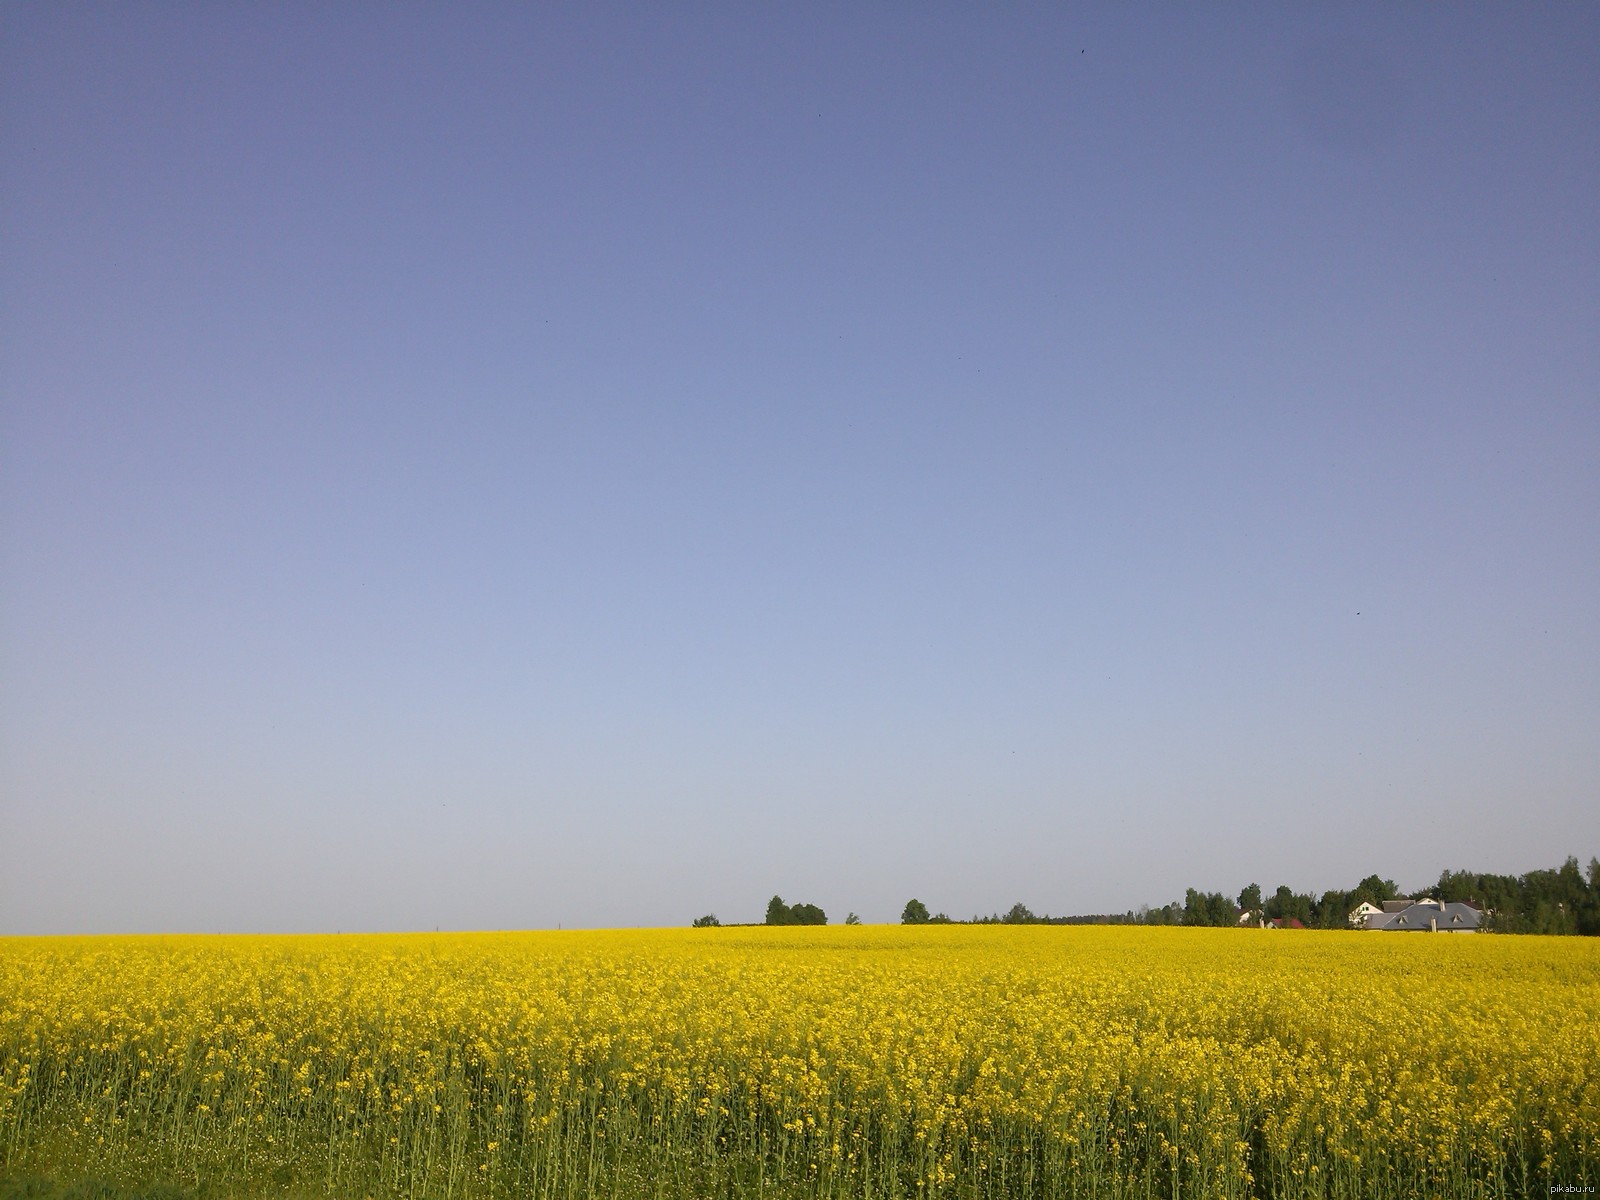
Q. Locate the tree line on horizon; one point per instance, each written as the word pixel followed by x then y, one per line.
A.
pixel 779 913
pixel 1565 900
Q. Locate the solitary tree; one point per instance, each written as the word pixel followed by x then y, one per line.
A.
pixel 709 921
pixel 777 911
pixel 915 913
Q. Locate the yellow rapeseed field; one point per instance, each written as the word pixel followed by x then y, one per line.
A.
pixel 843 1061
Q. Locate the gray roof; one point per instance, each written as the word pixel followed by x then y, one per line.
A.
pixel 1424 917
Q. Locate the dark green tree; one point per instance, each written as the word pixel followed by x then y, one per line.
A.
pixel 1286 905
pixel 709 921
pixel 1250 898
pixel 778 912
pixel 1207 908
pixel 807 914
pixel 1374 891
pixel 1280 904
pixel 1589 909
pixel 1220 911
pixel 1167 914
pixel 914 913
pixel 1571 888
pixel 1332 910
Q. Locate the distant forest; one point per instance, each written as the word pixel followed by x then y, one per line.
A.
pixel 1565 900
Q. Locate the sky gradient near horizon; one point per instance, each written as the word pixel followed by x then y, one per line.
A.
pixel 506 466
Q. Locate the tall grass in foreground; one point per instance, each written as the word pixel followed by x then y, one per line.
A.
pixel 835 1062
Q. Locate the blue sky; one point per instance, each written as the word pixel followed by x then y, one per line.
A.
pixel 503 466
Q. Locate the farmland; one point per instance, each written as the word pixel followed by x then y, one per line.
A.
pixel 806 1062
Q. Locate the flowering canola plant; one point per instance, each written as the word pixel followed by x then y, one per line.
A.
pixel 839 1062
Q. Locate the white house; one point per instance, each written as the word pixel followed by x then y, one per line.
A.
pixel 1362 912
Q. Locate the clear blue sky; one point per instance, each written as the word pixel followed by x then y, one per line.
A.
pixel 498 466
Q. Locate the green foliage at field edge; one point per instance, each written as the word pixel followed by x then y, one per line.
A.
pixel 95 1189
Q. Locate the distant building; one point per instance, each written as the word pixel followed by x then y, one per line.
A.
pixel 1360 914
pixel 1285 923
pixel 1428 916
